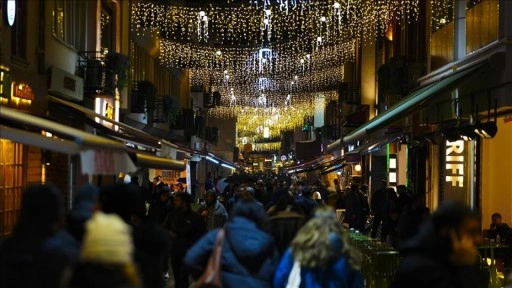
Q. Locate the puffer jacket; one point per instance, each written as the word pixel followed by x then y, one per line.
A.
pixel 248 255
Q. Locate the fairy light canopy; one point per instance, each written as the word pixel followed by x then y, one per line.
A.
pixel 261 55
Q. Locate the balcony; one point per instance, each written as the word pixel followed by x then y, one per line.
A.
pixel 102 73
pixel 350 93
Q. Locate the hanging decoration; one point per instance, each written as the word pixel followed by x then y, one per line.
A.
pixel 267 58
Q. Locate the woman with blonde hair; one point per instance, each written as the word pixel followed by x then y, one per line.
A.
pixel 320 256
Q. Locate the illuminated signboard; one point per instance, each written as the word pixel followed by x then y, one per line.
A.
pixel 455 179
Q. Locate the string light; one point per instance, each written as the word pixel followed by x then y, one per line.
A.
pixel 281 51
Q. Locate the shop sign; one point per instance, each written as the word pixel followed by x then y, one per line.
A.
pixel 455 167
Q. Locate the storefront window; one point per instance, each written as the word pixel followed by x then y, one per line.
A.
pixel 482 23
pixel 442 33
pixel 11 184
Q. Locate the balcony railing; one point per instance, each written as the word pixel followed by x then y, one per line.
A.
pixel 350 93
pixel 99 77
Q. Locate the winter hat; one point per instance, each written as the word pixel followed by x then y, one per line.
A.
pixel 107 240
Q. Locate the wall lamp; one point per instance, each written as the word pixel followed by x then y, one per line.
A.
pixel 486 130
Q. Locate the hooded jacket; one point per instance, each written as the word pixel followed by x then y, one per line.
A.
pixel 248 255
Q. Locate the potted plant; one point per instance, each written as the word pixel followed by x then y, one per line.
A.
pixel 118 64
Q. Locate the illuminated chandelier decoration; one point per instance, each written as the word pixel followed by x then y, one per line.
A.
pixel 281 51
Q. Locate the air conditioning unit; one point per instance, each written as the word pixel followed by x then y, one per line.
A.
pixel 65 85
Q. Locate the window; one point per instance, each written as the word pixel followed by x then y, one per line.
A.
pixel 442 33
pixel 68 22
pixel 11 184
pixel 19 31
pixel 482 23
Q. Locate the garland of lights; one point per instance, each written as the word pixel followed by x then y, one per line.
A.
pixel 268 59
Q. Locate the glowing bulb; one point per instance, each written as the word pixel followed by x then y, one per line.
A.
pixel 358 167
pixel 293 82
pixel 268 12
pixel 296 77
pixel 205 18
pixel 302 61
pixel 319 39
pixel 201 14
pixel 218 53
pixel 308 56
pixel 336 5
pixel 265 21
pixel 225 71
pixel 322 19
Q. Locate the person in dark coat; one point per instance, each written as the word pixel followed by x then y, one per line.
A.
pixel 444 253
pixel 83 207
pixel 26 260
pixel 377 205
pixel 185 228
pixel 151 240
pixel 411 218
pixel 160 207
pixel 106 259
pixel 249 256
pixel 355 216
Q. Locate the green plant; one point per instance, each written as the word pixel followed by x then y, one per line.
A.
pixel 173 113
pixel 119 64
pixel 147 90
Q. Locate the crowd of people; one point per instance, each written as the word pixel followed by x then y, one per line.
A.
pixel 279 232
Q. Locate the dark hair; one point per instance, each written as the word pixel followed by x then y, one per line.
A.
pixel 251 210
pixel 42 206
pixel 433 237
pixel 185 198
pixel 122 199
pixel 496 215
pixel 211 192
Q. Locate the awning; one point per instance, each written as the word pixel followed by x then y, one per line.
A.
pixel 333 168
pixel 127 134
pixel 38 140
pixel 155 162
pixel 416 100
pixel 80 137
pixel 99 156
pixel 375 144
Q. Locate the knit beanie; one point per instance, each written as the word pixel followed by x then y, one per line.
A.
pixel 107 240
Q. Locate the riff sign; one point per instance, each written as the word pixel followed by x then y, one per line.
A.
pixel 455 180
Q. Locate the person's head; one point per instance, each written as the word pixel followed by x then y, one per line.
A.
pixel 157 180
pixel 84 202
pixel 124 200
pixel 364 188
pixel 354 187
pixel 135 179
pixel 248 193
pixel 108 242
pixel 452 233
pixel 401 189
pixel 317 196
pixel 182 201
pixel 42 210
pixel 336 181
pixel 165 193
pixel 323 239
pixel 496 218
pixel 383 184
pixel 251 210
pixel 211 198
